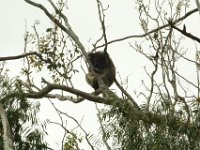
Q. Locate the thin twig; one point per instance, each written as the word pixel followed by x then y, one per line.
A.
pixel 150 32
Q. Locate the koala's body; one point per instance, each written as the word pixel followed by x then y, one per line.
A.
pixel 103 66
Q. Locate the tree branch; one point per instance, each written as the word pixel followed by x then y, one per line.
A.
pixel 7 136
pixel 150 32
pixel 184 32
pixel 68 30
pixel 50 87
pixel 18 56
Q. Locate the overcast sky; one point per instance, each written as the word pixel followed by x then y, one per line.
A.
pixel 16 16
pixel 121 21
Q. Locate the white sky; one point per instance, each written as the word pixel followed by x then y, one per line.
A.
pixel 121 21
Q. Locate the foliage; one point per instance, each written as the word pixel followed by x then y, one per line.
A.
pixel 22 117
pixel 128 131
pixel 164 94
pixel 57 53
pixel 168 117
pixel 72 142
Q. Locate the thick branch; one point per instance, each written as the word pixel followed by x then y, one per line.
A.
pixel 50 87
pixel 7 136
pixel 125 107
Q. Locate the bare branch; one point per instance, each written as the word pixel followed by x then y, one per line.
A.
pixel 50 87
pixel 18 56
pixel 102 20
pixel 152 31
pixel 127 94
pixel 66 29
pixel 184 32
pixel 79 125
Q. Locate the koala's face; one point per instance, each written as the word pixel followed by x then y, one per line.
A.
pixel 99 60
